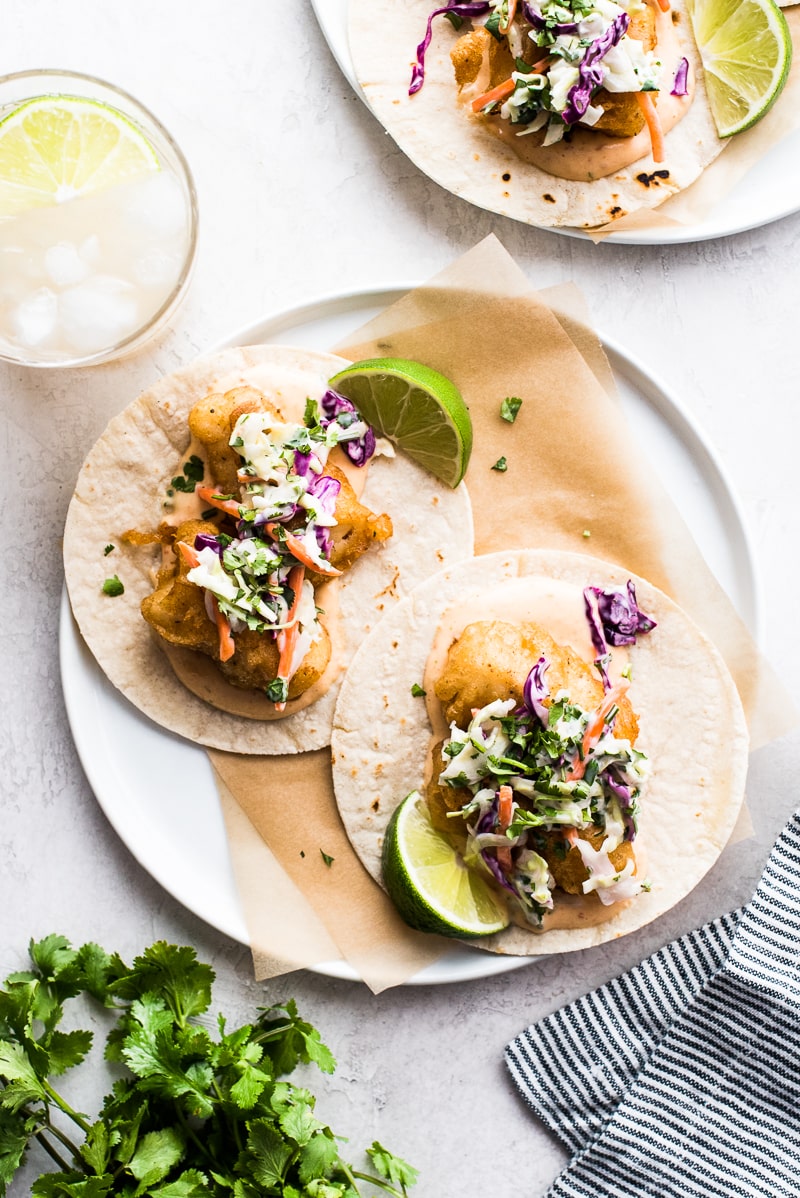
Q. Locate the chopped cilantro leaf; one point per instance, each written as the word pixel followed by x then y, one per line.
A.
pixel 454 747
pixel 108 549
pixel 113 587
pixel 417 691
pixel 501 465
pixel 509 408
pixel 278 690
pixel 455 20
pixel 311 414
pixel 492 24
pixel 193 471
pixel 326 858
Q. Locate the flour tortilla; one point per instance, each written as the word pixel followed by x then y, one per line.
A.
pixel 463 155
pixel 120 487
pixel 692 727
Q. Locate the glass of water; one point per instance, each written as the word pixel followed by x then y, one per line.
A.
pixel 98 221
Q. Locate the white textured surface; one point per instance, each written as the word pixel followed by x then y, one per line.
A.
pixel 302 193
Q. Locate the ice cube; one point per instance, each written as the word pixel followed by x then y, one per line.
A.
pixel 64 264
pixel 98 313
pixel 89 250
pixel 155 268
pixel 34 319
pixel 155 208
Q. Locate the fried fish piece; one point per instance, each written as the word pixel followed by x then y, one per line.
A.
pixel 211 422
pixel 442 799
pixel 176 610
pixel 357 527
pixel 469 52
pixel 491 659
pixel 565 862
pixel 622 117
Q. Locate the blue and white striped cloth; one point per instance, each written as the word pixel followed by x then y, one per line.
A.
pixel 681 1079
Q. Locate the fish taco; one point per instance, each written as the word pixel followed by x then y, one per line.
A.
pixel 566 728
pixel 234 534
pixel 555 112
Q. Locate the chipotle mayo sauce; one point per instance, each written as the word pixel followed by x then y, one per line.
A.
pixel 559 608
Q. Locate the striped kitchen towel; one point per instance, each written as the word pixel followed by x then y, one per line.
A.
pixel 681 1079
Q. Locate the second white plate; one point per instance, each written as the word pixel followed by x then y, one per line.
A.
pixel 769 192
pixel 157 790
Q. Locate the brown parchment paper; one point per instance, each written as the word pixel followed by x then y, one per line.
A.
pixel 742 153
pixel 576 479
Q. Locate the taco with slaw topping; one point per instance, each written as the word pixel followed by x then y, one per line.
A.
pixel 558 112
pixel 580 743
pixel 257 530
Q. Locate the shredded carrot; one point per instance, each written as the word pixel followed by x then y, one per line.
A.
pixel 512 12
pixel 653 124
pixel 504 803
pixel 210 496
pixel 594 729
pixel 188 553
pixel 663 5
pixel 226 646
pixel 299 551
pixel 497 93
pixel 287 637
pixel 505 88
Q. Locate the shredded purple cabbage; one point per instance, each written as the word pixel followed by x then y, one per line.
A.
pixel 326 490
pixel 625 796
pixel 301 461
pixel 681 85
pixel 536 19
pixel 536 689
pixel 591 71
pixel 475 9
pixel 620 615
pixel 598 639
pixel 359 450
pixel 204 540
pixel 494 866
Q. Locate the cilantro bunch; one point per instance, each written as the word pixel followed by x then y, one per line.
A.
pixel 194 1113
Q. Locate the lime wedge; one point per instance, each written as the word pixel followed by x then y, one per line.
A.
pixel 428 881
pixel 54 148
pixel 417 408
pixel 746 50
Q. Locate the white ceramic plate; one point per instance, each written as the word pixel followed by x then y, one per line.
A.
pixel 770 191
pixel 157 789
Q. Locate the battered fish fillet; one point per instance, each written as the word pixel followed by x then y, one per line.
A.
pixel 211 422
pixel 492 659
pixel 176 611
pixel 565 862
pixel 442 799
pixel 622 117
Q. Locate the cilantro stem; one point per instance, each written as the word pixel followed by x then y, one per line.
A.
pixel 352 1174
pixel 64 1106
pixel 50 1150
pixel 190 1132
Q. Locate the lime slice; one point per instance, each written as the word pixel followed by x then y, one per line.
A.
pixel 54 148
pixel 417 408
pixel 428 881
pixel 746 50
